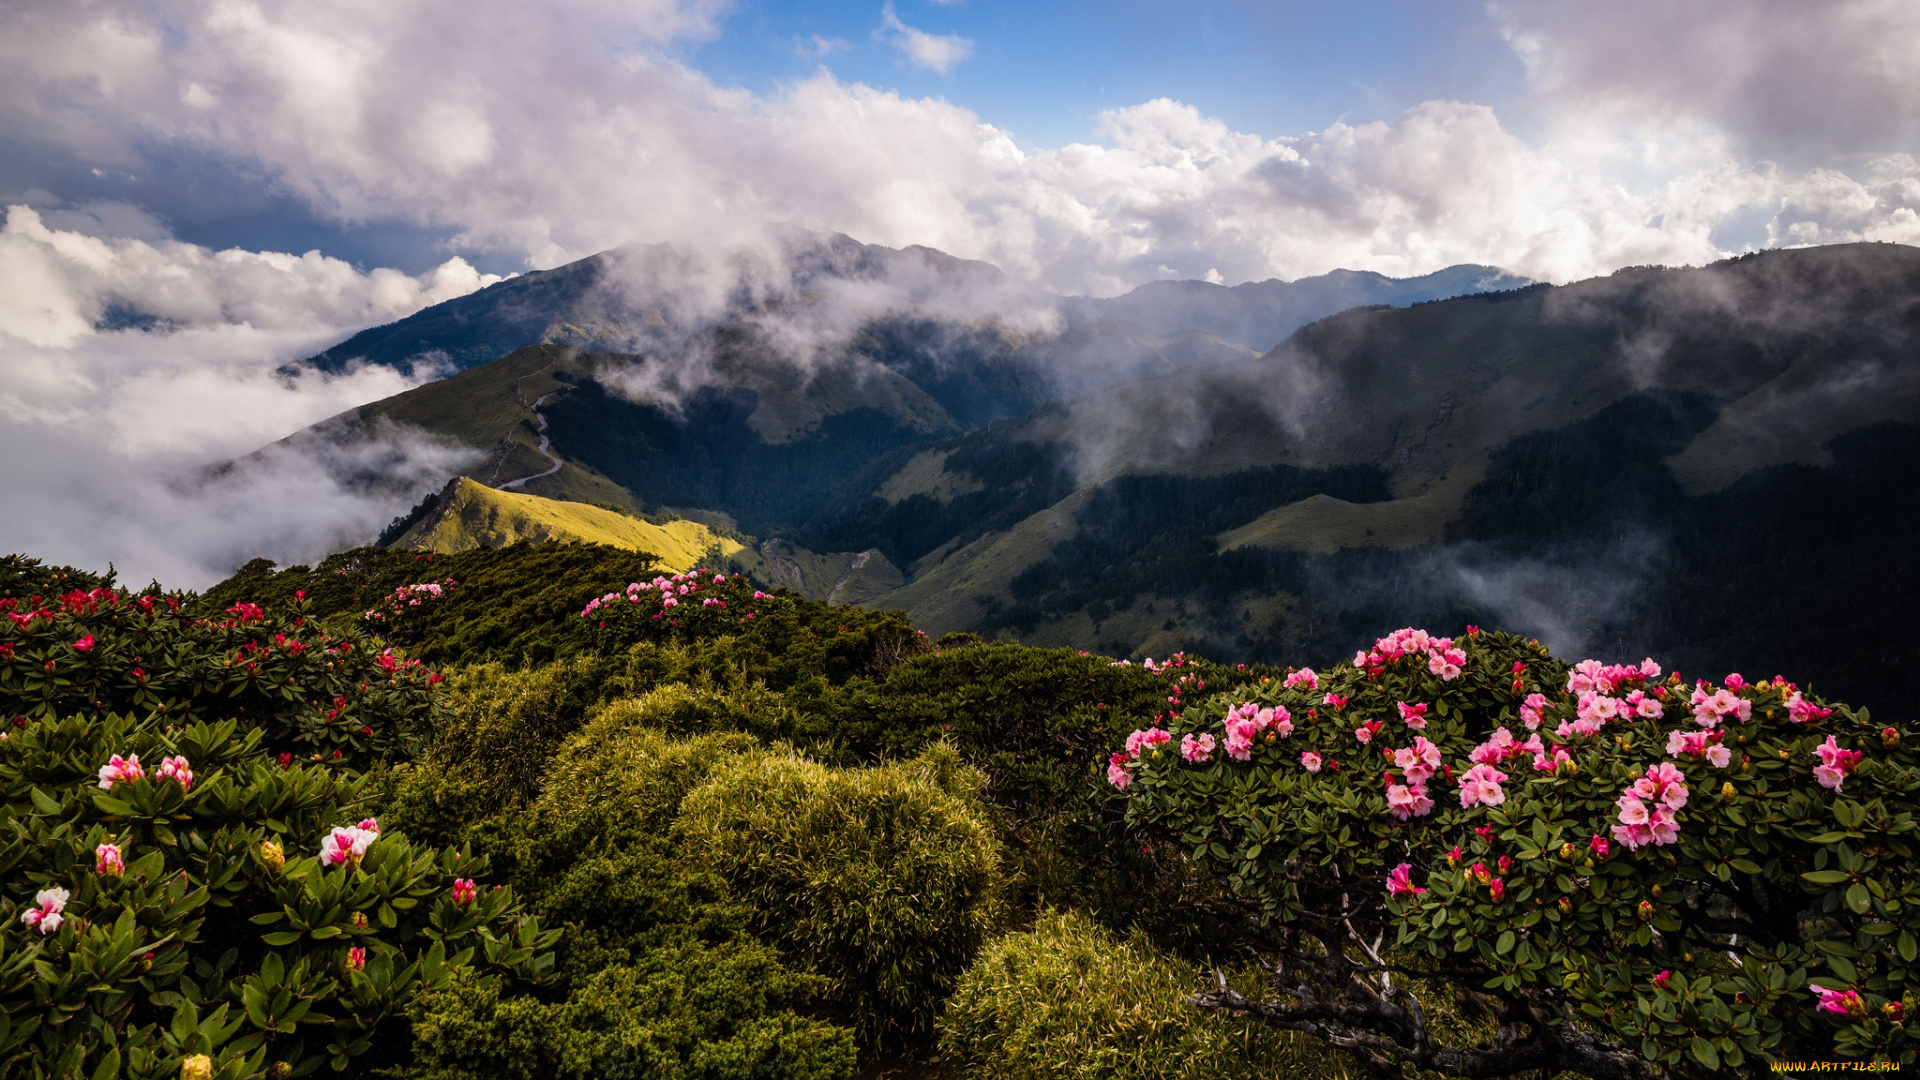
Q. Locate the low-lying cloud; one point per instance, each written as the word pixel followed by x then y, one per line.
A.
pixel 111 431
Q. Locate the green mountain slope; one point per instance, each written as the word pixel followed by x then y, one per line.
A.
pixel 1561 440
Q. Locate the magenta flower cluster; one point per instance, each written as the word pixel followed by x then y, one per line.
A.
pixel 1647 808
pixel 1443 659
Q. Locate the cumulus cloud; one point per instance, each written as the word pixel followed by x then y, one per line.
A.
pixel 1772 77
pixel 934 52
pixel 523 129
pixel 112 431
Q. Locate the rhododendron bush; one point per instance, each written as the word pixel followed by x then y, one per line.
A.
pixel 187 893
pixel 1630 873
pixel 191 880
pixel 318 694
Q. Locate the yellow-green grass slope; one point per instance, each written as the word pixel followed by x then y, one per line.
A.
pixel 472 515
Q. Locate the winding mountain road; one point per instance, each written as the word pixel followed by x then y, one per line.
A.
pixel 540 419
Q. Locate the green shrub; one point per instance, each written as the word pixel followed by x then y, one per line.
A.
pixel 691 1012
pixel 620 779
pixel 661 972
pixel 885 879
pixel 1068 1001
pixel 490 745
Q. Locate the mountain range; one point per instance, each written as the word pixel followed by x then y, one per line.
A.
pixel 1708 464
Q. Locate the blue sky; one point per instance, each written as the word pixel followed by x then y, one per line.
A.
pixel 1047 71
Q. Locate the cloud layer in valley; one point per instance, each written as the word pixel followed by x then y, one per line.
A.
pixel 109 432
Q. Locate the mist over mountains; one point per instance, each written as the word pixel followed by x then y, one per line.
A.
pixel 1708 465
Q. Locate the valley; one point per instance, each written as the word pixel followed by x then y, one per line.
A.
pixel 1545 459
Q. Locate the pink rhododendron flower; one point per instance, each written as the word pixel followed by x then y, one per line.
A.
pixel 1414 716
pixel 1198 749
pixel 1117 773
pixel 107 861
pixel 1480 786
pixel 1598 845
pixel 1542 762
pixel 345 847
pixel 1734 681
pixel 1802 711
pixel 1835 764
pixel 1531 708
pixel 1663 980
pixel 1591 676
pixel 48 910
pixel 1338 701
pixel 464 890
pixel 1839 1002
pixel 1497 890
pixel 1640 824
pixel 1700 744
pixel 121 770
pixel 1365 732
pixel 1304 677
pixel 1400 881
pixel 1405 802
pixel 85 644
pixel 175 769
pixel 1710 709
pixel 1311 761
pixel 1501 746
pixel 1141 741
pixel 1419 762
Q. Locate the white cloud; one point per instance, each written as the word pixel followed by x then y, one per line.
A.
pixel 934 52
pixel 1774 77
pixel 520 127
pixel 111 431
pixel 815 47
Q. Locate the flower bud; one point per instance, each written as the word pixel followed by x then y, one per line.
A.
pixel 1726 791
pixel 1645 911
pixel 1566 851
pixel 1889 738
pixel 1566 906
pixel 271 855
pixel 1655 890
pixel 1893 1010
pixel 196 1067
pixel 107 861
pixel 281 1070
pixel 356 958
pixel 359 920
pixel 1497 889
pixel 1785 754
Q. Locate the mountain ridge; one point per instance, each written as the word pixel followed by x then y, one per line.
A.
pixel 1236 501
